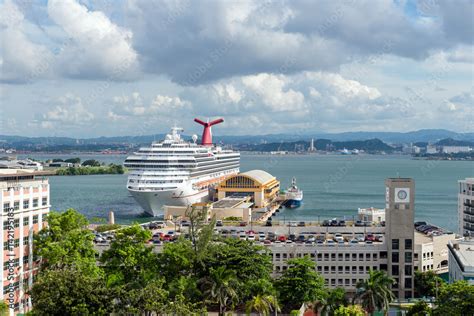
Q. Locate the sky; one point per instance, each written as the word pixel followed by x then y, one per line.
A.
pixel 89 68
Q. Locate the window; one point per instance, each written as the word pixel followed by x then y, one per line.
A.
pixel 395 257
pixel 408 283
pixel 361 257
pixel 326 269
pixel 326 257
pixel 348 257
pixel 320 256
pixel 16 205
pixel 348 269
pixel 395 284
pixel 361 269
pixel 354 281
pixel 17 222
pixel 408 270
pixel 383 267
pixel 407 294
pixel 25 241
pixel 367 256
pixel 17 243
pixel 333 281
pixel 6 207
pixel 26 221
pixel 25 259
pixel 395 244
pixel 35 219
pixel 415 256
pixel 354 269
pixel 374 256
pixel 5 225
pixel 333 269
pixel 354 257
pixel 408 244
pixel 26 204
pixel 340 257
pixel 347 282
pixel 408 257
pixel 383 255
pixel 35 202
pixel 395 270
pixel 319 269
pixel 333 256
pixel 44 201
pixel 340 269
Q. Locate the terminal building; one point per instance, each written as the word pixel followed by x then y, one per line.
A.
pixel 466 207
pixel 24 195
pixel 261 187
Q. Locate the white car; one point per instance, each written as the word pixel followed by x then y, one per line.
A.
pixel 251 237
pixel 261 236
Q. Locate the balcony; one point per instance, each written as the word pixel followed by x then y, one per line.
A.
pixel 469 210
pixel 469 220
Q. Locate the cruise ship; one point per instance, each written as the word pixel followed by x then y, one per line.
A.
pixel 178 172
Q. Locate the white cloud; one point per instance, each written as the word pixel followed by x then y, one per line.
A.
pixel 96 48
pixel 21 60
pixel 69 111
pixel 135 106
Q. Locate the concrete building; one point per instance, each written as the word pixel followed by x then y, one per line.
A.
pixel 466 207
pixel 431 252
pixel 456 149
pixel 24 195
pixel 371 214
pixel 238 207
pixel 261 187
pixel 461 260
pixel 399 218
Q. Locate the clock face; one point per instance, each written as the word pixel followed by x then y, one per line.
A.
pixel 402 194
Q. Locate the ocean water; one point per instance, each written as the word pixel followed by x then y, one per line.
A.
pixel 333 185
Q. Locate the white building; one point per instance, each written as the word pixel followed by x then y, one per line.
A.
pixel 431 251
pixel 461 260
pixel 456 149
pixel 371 214
pixel 24 196
pixel 431 149
pixel 466 207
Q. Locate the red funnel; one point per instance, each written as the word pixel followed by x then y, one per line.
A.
pixel 206 133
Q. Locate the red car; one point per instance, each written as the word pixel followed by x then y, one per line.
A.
pixel 166 238
pixel 370 237
pixel 282 238
pixel 250 232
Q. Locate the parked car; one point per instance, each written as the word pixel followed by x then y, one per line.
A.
pixel 185 223
pixel 243 224
pixel 251 237
pixel 301 238
pixel 301 224
pixel 338 238
pixel 292 224
pixel 370 237
pixel 421 223
pixel 219 223
pixel 282 238
pixel 359 223
pixel 354 241
pixel 261 236
pixel 292 237
pixel 311 238
pixel 326 223
pixel 156 225
pixel 267 242
pixel 360 237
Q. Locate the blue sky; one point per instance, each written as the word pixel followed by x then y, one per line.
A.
pixel 131 67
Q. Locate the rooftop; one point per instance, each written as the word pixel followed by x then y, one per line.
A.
pixel 467 180
pixel 259 175
pixel 464 250
pixel 230 202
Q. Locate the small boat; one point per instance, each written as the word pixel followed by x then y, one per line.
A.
pixel 293 196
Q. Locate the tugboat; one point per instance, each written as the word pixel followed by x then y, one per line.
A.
pixel 293 196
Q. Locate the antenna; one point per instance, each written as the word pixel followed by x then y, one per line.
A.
pixel 206 133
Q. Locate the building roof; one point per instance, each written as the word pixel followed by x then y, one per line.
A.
pixel 467 180
pixel 464 250
pixel 259 175
pixel 229 202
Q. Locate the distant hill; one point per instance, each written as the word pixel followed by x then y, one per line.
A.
pixel 454 142
pixel 370 145
pixel 427 135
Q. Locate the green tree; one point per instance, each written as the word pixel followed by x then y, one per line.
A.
pixel 66 241
pixel 176 259
pixel 262 304
pixel 427 283
pixel 299 284
pixel 91 162
pixel 219 287
pixel 455 299
pixel 334 299
pixel 129 261
pixel 351 310
pixel 420 308
pixel 375 293
pixel 70 291
pixel 73 160
pixel 4 308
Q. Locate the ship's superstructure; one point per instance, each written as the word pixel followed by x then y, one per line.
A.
pixel 293 196
pixel 178 172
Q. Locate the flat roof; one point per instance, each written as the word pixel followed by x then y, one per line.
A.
pixel 467 180
pixel 464 250
pixel 5 172
pixel 229 202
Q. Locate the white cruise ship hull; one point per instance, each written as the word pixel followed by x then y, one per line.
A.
pixel 152 202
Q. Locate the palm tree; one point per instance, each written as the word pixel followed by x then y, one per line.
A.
pixel 220 287
pixel 375 293
pixel 334 299
pixel 263 304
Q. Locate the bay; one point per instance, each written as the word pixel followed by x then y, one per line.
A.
pixel 333 185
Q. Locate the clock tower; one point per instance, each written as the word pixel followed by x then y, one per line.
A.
pixel 400 215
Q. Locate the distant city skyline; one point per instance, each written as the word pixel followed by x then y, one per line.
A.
pixel 89 68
